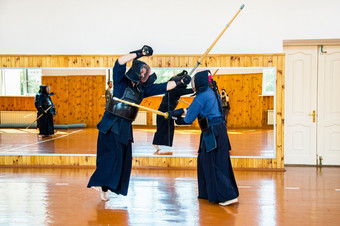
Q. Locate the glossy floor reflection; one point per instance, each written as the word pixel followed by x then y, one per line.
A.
pixel 41 196
pixel 244 142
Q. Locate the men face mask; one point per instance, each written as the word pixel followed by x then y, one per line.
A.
pixel 144 73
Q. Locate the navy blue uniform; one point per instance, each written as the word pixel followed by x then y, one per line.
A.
pixel 42 102
pixel 166 127
pixel 216 181
pixel 114 150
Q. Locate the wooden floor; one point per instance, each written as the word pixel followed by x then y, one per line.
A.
pixel 58 196
pixel 244 142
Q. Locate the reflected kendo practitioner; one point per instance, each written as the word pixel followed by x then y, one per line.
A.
pixel 166 127
pixel 216 181
pixel 114 150
pixel 46 110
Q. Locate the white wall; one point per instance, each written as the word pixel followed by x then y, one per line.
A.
pixel 169 26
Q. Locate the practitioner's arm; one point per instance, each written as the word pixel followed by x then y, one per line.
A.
pixel 144 51
pixel 126 58
pixel 171 85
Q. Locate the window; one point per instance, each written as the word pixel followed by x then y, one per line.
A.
pixel 19 82
pixel 164 74
pixel 268 82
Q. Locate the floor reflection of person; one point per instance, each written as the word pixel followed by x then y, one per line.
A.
pixel 165 128
pixel 216 181
pixel 114 150
pixel 46 111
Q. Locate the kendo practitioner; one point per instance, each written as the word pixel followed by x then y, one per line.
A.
pixel 45 107
pixel 114 151
pixel 166 127
pixel 216 181
pixel 225 104
pixel 108 93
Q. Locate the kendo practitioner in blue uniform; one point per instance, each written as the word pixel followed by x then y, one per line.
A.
pixel 216 181
pixel 114 150
pixel 166 127
pixel 43 102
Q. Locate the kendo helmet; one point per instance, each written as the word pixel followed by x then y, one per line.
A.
pixel 139 72
pixel 200 82
pixel 44 89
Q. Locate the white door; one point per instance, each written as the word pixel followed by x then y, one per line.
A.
pixel 329 106
pixel 300 101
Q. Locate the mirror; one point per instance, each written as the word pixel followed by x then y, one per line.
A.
pixel 79 99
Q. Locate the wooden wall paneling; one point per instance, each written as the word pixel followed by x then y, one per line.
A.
pixel 241 92
pixel 17 103
pixel 95 90
pixel 237 101
pixel 247 118
pixel 253 108
pixel 80 114
pixel 86 99
pixel 99 85
pixel 280 85
pixel 95 61
pixel 247 107
pixel 182 61
pixel 87 61
pixel 78 99
pixel 63 98
pixel 73 99
pixel 47 160
pixel 58 85
pixel 256 104
pixel 80 111
pixel 165 61
pixel 226 61
pixel 105 61
pixel 230 87
pixel 3 61
pixel 260 62
pixel 281 71
pixel 24 61
pixel 87 104
pixel 12 61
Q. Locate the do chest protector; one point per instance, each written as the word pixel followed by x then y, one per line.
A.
pixel 123 110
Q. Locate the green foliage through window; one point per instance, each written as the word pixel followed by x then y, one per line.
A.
pixel 269 82
pixel 19 82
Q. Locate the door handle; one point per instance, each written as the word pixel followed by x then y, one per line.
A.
pixel 312 114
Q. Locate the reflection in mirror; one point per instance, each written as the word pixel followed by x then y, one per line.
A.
pixel 79 99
